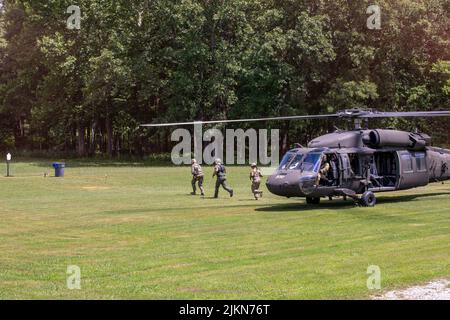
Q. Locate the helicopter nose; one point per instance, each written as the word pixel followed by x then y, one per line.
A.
pixel 273 185
pixel 280 184
pixel 285 184
pixel 307 184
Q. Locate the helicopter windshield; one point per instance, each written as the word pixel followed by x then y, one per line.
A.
pixel 286 160
pixel 296 162
pixel 311 162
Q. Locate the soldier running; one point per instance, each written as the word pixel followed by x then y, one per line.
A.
pixel 197 177
pixel 220 172
pixel 255 178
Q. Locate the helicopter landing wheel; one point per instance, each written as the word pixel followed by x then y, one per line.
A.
pixel 368 199
pixel 312 200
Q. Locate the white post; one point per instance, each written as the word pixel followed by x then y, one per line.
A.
pixel 8 160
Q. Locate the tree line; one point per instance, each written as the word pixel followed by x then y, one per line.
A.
pixel 85 91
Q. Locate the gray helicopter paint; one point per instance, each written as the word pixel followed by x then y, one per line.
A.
pixel 405 148
pixel 437 158
pixel 372 138
pixel 338 139
pixel 409 175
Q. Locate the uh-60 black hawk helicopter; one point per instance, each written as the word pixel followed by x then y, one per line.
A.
pixel 355 163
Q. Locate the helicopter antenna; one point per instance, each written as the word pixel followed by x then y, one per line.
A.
pixel 366 126
pixel 358 122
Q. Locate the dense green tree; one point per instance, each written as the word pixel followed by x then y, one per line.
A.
pixel 86 91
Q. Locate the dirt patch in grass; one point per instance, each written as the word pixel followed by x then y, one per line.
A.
pixel 96 188
pixel 433 290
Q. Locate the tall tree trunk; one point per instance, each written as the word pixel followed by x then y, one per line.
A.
pixel 117 145
pixel 88 140
pixel 109 136
pixel 81 134
pixel 166 142
pixel 130 151
pixel 285 138
pixel 18 136
pixel 448 132
pixel 92 141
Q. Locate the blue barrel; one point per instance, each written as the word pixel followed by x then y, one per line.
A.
pixel 59 168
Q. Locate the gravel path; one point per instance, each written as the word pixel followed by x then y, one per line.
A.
pixel 434 290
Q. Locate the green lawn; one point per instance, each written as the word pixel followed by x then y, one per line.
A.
pixel 136 233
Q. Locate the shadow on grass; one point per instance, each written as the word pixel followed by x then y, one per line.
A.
pixel 340 204
pixel 215 208
pixel 288 207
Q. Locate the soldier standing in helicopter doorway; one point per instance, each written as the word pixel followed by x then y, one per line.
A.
pixel 220 173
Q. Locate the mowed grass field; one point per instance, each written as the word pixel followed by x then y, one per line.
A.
pixel 136 233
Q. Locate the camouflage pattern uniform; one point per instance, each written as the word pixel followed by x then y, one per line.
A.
pixel 197 177
pixel 220 173
pixel 255 178
pixel 323 172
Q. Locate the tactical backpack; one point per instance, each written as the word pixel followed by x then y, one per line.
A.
pixel 221 171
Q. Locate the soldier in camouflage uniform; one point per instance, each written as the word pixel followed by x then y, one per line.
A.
pixel 197 177
pixel 255 178
pixel 324 169
pixel 220 173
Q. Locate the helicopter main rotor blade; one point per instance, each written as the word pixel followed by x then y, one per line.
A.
pixel 407 114
pixel 325 116
pixel 350 114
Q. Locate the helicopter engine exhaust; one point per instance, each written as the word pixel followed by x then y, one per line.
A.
pixel 392 138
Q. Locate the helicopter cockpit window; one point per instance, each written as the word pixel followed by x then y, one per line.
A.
pixel 311 162
pixel 295 164
pixel 285 161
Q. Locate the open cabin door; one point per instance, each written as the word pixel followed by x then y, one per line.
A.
pixel 346 172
